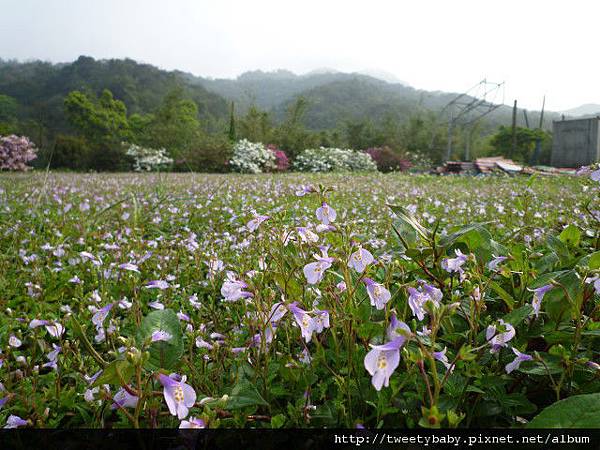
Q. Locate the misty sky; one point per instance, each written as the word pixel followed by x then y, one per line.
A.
pixel 537 47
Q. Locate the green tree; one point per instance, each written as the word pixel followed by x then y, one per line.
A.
pixel 232 134
pixel 256 126
pixel 140 124
pixel 175 125
pixel 100 120
pixel 291 136
pixel 362 134
pixel 525 143
pixel 8 115
pixel 103 123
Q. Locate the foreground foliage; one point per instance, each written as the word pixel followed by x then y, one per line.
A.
pixel 278 301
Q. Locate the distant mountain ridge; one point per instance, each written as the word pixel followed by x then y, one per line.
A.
pixel 334 97
pixel 588 109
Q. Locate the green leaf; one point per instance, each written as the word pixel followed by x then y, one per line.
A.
pixel 405 233
pixel 594 261
pixel 510 302
pixel 560 249
pixel 579 411
pixel 474 235
pixel 518 315
pixel 163 354
pixel 278 421
pixel 405 216
pixel 79 333
pixel 570 235
pixel 245 394
pixel 116 373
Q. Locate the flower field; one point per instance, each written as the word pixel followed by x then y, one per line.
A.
pixel 295 300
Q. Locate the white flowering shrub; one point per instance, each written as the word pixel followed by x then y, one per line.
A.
pixel 148 159
pixel 333 160
pixel 251 157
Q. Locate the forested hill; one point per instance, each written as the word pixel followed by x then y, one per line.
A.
pixel 334 97
pixel 39 88
pixel 35 92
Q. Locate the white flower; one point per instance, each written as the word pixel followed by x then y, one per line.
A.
pixel 250 157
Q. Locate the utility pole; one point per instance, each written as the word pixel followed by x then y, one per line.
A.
pixel 513 149
pixel 538 141
pixel 449 145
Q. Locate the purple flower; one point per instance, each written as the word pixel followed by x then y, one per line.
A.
pixel 124 399
pixel 451 265
pixel 55 329
pixel 4 401
pixel 233 289
pixel 596 283
pixel 201 343
pixel 538 295
pixel 14 341
pixel 493 264
pixel 378 294
pixel 178 395
pixel 215 265
pixel 75 280
pixel 595 175
pixel 360 259
pixel 304 320
pixel 278 310
pixel 315 271
pixel 15 422
pixel 307 235
pixel 521 357
pixel 161 335
pixel 53 357
pixel 441 356
pixel 382 360
pixel 158 284
pixel 341 286
pixel 321 320
pixel 156 305
pixel 35 323
pixel 398 329
pixel 192 423
pixel 100 316
pixel 418 298
pixel 303 190
pixel 253 224
pixel 326 214
pixel 130 267
pixel 593 365
pixel 499 339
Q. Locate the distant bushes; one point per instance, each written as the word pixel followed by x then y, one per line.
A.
pixel 251 157
pixel 282 162
pixel 211 155
pixel 333 160
pixel 216 154
pixel 387 160
pixel 70 152
pixel 148 159
pixel 16 152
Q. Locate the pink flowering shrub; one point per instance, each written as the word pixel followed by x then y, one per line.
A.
pixel 387 160
pixel 16 152
pixel 282 162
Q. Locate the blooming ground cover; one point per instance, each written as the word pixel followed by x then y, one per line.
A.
pixel 176 300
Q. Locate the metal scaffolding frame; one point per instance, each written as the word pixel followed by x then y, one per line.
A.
pixel 469 107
